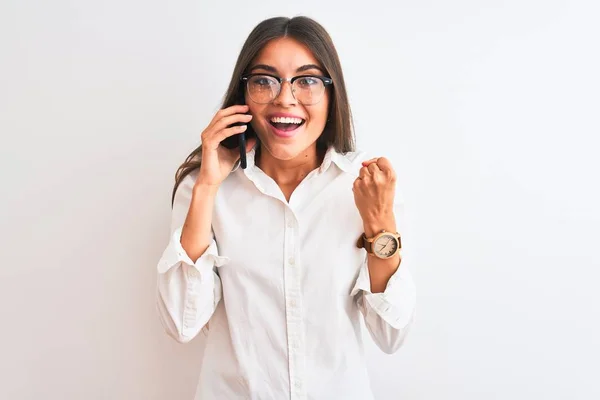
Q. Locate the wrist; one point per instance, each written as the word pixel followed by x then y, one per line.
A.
pixel 373 226
pixel 204 189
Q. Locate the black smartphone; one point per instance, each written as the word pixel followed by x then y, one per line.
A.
pixel 239 140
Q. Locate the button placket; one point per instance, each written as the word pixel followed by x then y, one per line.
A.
pixel 293 299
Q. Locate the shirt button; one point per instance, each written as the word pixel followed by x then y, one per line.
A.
pixel 193 272
pixel 290 224
pixel 291 261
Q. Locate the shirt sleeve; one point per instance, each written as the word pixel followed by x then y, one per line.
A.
pixel 388 315
pixel 188 291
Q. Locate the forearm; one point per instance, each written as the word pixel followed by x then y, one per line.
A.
pixel 196 234
pixel 381 270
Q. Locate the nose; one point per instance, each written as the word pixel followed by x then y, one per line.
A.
pixel 286 95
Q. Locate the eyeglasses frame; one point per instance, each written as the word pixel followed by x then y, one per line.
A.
pixel 326 82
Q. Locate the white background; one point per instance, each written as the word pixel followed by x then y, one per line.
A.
pixel 488 110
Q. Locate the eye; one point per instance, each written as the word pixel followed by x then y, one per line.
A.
pixel 262 81
pixel 308 81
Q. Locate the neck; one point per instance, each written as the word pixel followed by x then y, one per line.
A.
pixel 290 172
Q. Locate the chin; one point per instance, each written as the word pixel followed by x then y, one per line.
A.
pixel 284 151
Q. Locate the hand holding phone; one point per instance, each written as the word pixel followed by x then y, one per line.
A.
pixel 219 140
pixel 239 140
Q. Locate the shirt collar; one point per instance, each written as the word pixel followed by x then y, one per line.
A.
pixel 344 162
pixel 341 160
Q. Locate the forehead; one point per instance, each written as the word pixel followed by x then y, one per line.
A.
pixel 285 54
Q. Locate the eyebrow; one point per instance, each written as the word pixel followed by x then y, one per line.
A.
pixel 274 70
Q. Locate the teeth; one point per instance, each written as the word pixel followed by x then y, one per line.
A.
pixel 282 120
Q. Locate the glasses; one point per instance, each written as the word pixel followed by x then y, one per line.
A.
pixel 307 89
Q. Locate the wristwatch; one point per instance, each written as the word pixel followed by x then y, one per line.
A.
pixel 383 245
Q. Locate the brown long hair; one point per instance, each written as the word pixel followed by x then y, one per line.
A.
pixel 339 130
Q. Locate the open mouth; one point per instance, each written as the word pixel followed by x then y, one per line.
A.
pixel 286 124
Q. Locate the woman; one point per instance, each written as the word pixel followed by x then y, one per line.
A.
pixel 275 261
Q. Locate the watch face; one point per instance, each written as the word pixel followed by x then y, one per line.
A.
pixel 385 246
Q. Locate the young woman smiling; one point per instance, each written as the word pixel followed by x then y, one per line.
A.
pixel 279 261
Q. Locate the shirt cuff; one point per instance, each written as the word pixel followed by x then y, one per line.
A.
pixel 395 305
pixel 175 254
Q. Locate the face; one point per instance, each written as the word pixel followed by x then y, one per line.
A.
pixel 286 127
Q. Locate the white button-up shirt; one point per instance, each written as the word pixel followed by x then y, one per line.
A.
pixel 282 288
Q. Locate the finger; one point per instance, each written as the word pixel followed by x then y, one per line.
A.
pixel 373 168
pixel 234 109
pixel 232 119
pixel 367 162
pixel 384 164
pixel 225 133
pixel 386 167
pixel 363 173
pixel 225 112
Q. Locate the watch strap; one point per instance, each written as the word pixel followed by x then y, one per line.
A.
pixel 363 242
